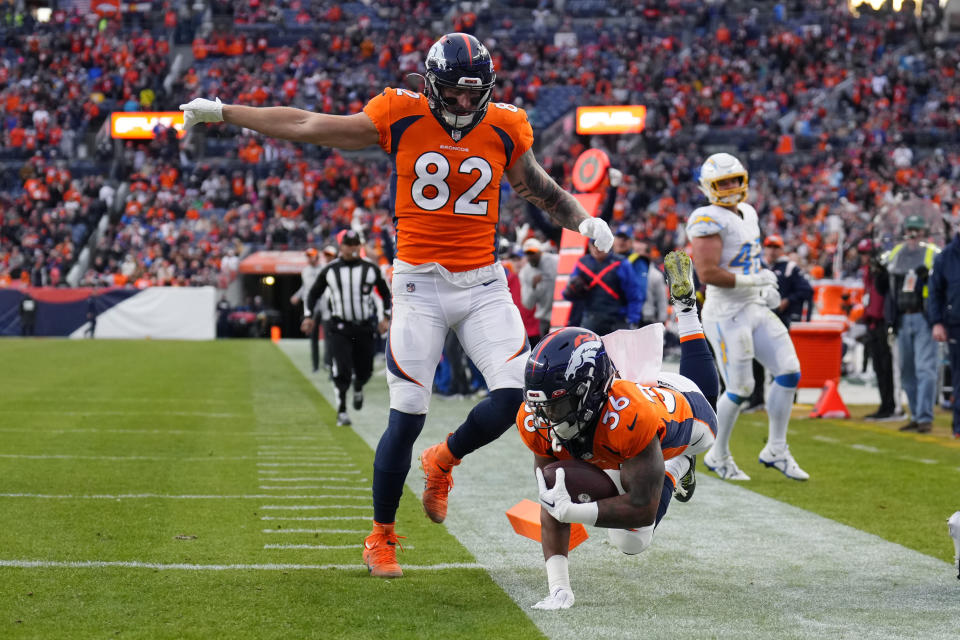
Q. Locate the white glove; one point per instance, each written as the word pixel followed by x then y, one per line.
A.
pixel 615 176
pixel 522 232
pixel 201 110
pixel 559 598
pixel 557 501
pixel 598 231
pixel 770 296
pixel 763 278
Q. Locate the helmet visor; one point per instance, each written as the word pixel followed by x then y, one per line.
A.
pixel 556 411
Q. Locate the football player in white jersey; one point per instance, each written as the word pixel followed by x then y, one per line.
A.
pixel 737 319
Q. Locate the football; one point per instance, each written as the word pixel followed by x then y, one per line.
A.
pixel 585 482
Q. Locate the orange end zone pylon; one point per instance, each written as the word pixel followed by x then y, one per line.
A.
pixel 525 518
pixel 830 404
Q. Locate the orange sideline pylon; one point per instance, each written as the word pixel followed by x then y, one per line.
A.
pixel 525 518
pixel 830 404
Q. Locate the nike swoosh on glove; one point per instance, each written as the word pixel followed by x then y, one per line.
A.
pixel 598 231
pixel 557 501
pixel 201 110
pixel 560 598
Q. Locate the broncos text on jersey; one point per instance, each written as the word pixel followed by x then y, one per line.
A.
pixel 446 193
pixel 632 416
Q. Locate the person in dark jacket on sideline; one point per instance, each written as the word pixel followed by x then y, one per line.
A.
pixel 943 312
pixel 607 285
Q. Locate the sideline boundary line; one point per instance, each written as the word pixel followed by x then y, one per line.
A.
pixel 159 566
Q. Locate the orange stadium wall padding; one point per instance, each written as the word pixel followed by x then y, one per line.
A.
pixel 572 246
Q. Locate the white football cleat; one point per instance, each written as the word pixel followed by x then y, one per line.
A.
pixel 783 462
pixel 724 467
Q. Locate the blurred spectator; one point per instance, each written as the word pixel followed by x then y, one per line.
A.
pixel 795 290
pixel 537 282
pixel 28 315
pixel 877 338
pixel 651 281
pixel 307 277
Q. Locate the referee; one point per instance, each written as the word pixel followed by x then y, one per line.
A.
pixel 353 323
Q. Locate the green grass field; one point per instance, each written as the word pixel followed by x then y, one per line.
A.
pixel 200 490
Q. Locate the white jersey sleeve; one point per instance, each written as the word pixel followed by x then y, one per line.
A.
pixel 740 234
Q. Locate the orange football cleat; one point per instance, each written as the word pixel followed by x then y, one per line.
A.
pixel 437 463
pixel 380 552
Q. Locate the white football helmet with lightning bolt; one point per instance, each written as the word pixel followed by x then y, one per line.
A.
pixel 720 167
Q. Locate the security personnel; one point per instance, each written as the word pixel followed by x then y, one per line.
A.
pixel 909 265
pixel 607 285
pixel 351 281
pixel 943 312
pixel 307 277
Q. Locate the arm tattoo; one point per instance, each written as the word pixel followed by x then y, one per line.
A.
pixel 536 186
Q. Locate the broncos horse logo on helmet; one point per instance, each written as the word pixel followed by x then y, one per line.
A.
pixel 565 382
pixel 459 61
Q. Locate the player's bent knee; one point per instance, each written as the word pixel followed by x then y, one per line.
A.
pixel 631 541
pixel 409 398
pixel 507 401
pixel 740 397
pixel 701 438
pixel 788 380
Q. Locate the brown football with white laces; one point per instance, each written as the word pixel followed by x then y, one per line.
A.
pixel 584 482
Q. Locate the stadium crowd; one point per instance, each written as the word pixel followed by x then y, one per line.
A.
pixel 836 117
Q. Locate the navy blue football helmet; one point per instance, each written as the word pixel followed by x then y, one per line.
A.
pixel 565 382
pixel 459 61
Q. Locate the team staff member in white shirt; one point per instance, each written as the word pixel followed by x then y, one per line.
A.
pixel 307 278
pixel 737 319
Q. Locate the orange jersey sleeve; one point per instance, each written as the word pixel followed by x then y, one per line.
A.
pixel 632 416
pixel 446 193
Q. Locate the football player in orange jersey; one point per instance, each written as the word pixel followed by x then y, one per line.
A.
pixel 644 436
pixel 451 147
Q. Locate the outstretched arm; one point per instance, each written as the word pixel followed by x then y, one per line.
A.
pixel 532 182
pixel 342 132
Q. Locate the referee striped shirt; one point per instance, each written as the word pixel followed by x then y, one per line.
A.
pixel 351 284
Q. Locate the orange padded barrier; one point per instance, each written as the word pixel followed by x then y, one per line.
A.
pixel 819 348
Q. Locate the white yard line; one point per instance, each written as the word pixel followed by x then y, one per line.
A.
pixel 313 479
pixel 308 507
pixel 65 456
pixel 316 547
pixel 315 518
pixel 357 531
pixel 158 566
pixel 161 496
pixel 331 465
pixel 301 487
pixel 152 413
pixel 265 472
